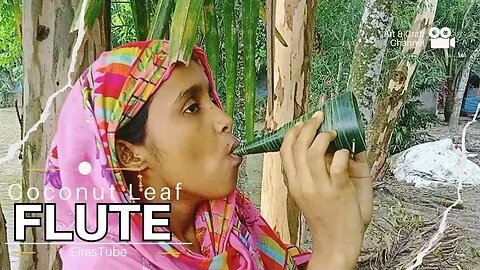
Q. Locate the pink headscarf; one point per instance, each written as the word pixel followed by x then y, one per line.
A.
pixel 109 93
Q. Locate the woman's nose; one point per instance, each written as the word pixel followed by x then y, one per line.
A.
pixel 224 122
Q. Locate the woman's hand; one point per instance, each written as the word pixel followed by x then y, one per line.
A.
pixel 333 191
pixel 359 174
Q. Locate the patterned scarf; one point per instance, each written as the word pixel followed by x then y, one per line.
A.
pixel 231 232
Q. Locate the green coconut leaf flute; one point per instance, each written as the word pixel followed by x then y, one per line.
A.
pixel 341 114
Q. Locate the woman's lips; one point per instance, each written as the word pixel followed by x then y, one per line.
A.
pixel 236 159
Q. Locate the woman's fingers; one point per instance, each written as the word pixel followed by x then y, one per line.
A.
pixel 361 157
pixel 302 145
pixel 286 152
pixel 339 168
pixel 318 154
pixel 364 188
pixel 360 175
pixel 305 139
pixel 365 198
pixel 328 160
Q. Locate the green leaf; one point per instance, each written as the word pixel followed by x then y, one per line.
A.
pixel 163 12
pixel 141 18
pixel 231 54
pixel 250 22
pixel 341 114
pixel 212 42
pixel 17 11
pixel 183 32
pixel 92 12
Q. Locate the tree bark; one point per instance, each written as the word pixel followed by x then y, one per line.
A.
pixel 390 104
pixel 4 256
pixel 452 83
pixel 288 69
pixel 457 103
pixel 369 51
pixel 47 46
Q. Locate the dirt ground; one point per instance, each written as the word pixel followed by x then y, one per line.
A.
pixel 10 173
pixel 406 217
pixel 415 213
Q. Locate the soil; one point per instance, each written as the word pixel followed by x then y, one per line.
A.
pixel 10 173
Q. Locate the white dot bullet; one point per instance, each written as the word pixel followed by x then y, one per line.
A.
pixel 85 168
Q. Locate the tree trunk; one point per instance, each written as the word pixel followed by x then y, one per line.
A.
pixel 389 105
pixel 449 97
pixel 288 72
pixel 457 103
pixel 369 52
pixel 4 257
pixel 47 46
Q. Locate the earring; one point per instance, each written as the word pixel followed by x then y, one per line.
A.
pixel 140 181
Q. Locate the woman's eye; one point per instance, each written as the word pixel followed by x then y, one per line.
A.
pixel 193 108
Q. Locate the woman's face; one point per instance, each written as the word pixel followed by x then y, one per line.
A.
pixel 189 138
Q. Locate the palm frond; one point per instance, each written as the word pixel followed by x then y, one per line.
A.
pixel 184 34
pixel 141 18
pixel 231 54
pixel 212 41
pixel 250 21
pixel 163 12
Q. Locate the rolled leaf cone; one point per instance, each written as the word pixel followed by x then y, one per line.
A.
pixel 341 114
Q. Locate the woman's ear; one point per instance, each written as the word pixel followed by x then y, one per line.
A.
pixel 131 156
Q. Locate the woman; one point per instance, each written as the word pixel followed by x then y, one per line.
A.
pixel 142 123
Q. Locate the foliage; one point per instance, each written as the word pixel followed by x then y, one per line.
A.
pixel 434 66
pixel 10 51
pixel 184 29
pixel 462 18
pixel 410 128
pixel 336 33
pixel 231 55
pixel 335 37
pixel 161 19
pixel 250 23
pixel 10 47
pixel 141 17
pixel 210 27
pixel 123 27
pixel 123 31
pixel 92 12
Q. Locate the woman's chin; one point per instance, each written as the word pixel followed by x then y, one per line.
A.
pixel 226 188
pixel 236 160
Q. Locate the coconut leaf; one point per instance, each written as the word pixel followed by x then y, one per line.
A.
pixel 183 33
pixel 92 12
pixel 163 13
pixel 17 11
pixel 141 18
pixel 250 21
pixel 231 54
pixel 341 115
pixel 212 42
